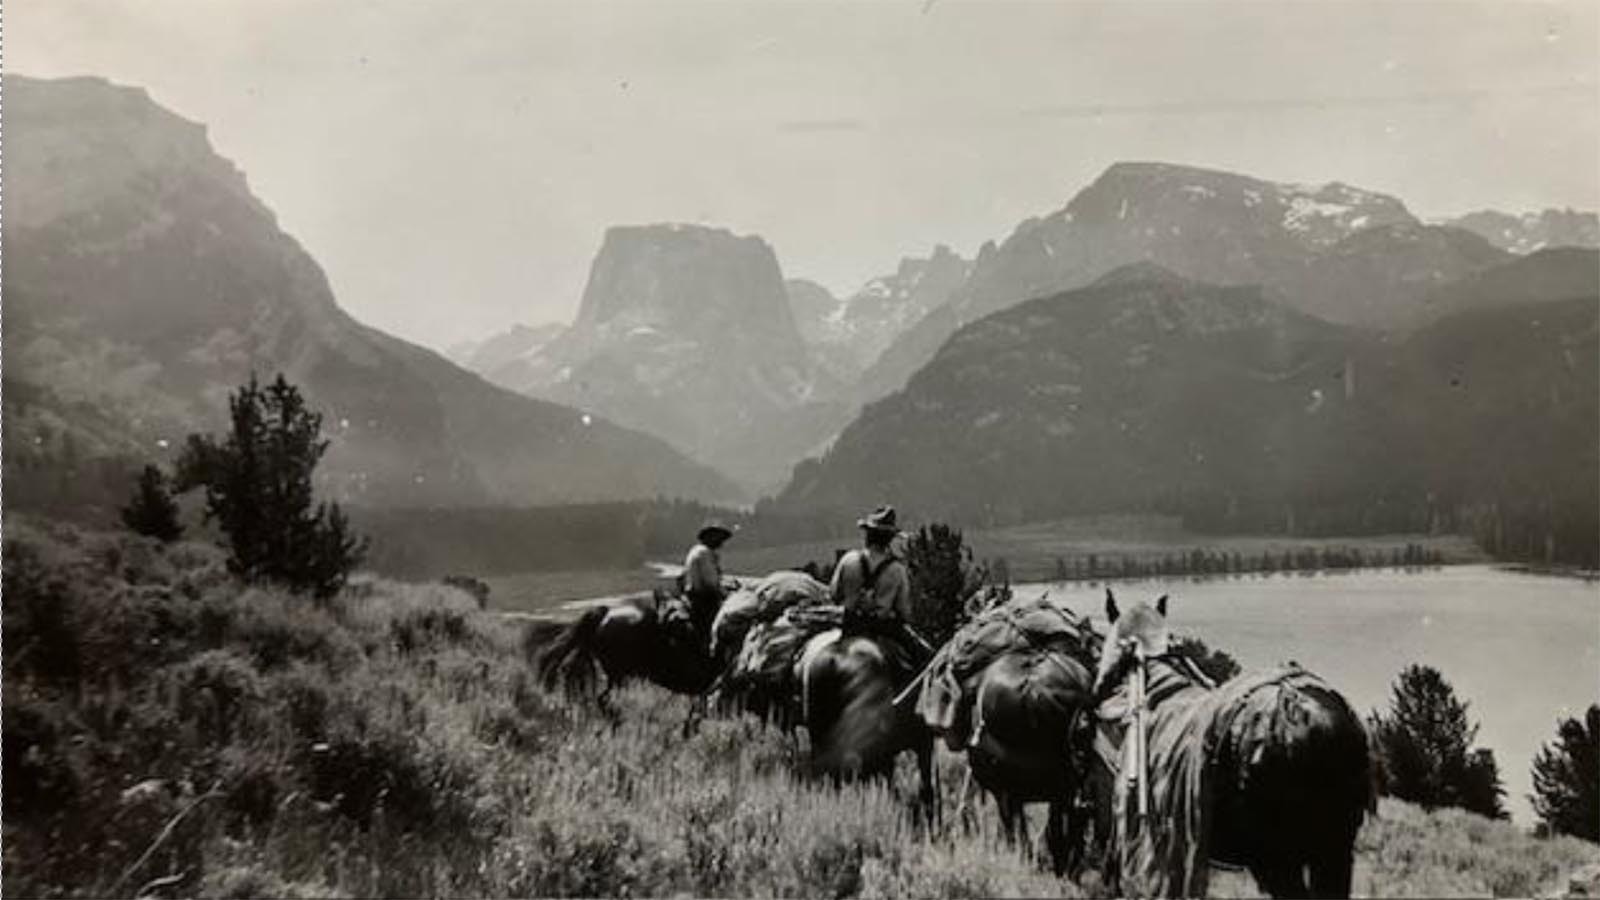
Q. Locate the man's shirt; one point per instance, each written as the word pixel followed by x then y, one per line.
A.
pixel 891 593
pixel 702 571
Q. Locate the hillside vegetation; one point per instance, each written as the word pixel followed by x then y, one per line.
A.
pixel 169 732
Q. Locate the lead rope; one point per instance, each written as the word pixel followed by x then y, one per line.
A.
pixel 1137 736
pixel 1142 735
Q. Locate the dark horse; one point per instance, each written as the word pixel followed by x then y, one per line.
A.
pixel 1027 746
pixel 1270 771
pixel 847 693
pixel 637 638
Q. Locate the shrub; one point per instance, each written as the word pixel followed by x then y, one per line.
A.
pixel 38 775
pixel 152 512
pixel 277 631
pixel 1217 665
pixel 246 882
pixel 419 629
pixel 37 617
pixel 477 588
pixel 943 577
pixel 217 692
pixel 1425 745
pixel 258 489
pixel 1566 778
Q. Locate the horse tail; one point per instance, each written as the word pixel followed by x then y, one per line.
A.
pixel 1305 761
pixel 570 656
pixel 1336 743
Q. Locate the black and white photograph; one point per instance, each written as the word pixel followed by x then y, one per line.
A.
pixel 800 448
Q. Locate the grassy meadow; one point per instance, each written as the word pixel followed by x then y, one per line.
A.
pixel 169 732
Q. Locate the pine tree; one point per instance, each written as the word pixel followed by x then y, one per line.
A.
pixel 152 511
pixel 1426 746
pixel 1218 665
pixel 943 577
pixel 1566 778
pixel 258 483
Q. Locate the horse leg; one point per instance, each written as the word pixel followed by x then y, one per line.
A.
pixel 963 821
pixel 1014 821
pixel 1330 871
pixel 1055 838
pixel 1077 836
pixel 1281 878
pixel 929 792
pixel 604 700
pixel 1008 816
pixel 1022 829
pixel 691 723
pixel 1064 837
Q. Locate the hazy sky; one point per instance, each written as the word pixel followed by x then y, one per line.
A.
pixel 453 164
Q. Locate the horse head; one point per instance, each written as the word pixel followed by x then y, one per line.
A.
pixel 1142 630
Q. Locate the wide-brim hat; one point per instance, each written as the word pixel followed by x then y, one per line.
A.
pixel 881 519
pixel 716 526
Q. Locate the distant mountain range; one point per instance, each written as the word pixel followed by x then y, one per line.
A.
pixel 144 281
pixel 1334 251
pixel 1339 254
pixel 853 331
pixel 692 333
pixel 506 350
pixel 1147 390
pixel 1249 353
pixel 1532 231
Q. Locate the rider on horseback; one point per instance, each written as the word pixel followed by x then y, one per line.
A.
pixel 702 577
pixel 873 587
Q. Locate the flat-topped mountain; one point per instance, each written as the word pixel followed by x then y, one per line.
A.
pixel 686 332
pixel 685 279
pixel 145 281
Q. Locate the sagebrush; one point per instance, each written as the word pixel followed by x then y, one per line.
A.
pixel 171 730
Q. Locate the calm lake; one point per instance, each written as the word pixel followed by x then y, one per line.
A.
pixel 1521 649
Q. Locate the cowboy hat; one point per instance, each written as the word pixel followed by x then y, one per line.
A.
pixel 880 519
pixel 715 526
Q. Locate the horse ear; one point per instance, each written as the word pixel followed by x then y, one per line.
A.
pixel 1161 606
pixel 1112 613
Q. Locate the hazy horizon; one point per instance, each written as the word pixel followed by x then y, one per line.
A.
pixel 453 169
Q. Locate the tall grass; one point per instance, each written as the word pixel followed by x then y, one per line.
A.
pixel 169 732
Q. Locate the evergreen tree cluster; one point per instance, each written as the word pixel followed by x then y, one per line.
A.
pixel 259 490
pixel 1218 665
pixel 1201 561
pixel 153 512
pixel 1424 745
pixel 944 576
pixel 1566 778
